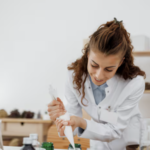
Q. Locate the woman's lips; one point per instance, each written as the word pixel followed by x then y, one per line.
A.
pixel 98 80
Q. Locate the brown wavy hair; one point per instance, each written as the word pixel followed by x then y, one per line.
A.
pixel 110 38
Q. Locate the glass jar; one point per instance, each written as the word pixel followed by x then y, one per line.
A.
pixel 77 147
pixel 48 145
pixel 27 142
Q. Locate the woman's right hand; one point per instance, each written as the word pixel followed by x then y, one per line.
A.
pixel 56 109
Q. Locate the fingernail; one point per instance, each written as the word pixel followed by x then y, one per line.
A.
pixel 65 123
pixel 59 120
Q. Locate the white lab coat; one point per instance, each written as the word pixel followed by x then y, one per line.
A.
pixel 123 97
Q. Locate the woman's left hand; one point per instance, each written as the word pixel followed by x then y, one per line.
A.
pixel 74 122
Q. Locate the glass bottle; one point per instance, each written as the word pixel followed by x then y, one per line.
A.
pixel 48 145
pixel 77 147
pixel 35 141
pixel 27 142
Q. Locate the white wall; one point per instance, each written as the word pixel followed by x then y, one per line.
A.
pixel 39 38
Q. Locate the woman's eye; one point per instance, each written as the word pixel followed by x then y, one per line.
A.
pixel 106 69
pixel 109 70
pixel 94 66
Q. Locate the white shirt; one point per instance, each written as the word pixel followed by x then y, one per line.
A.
pixel 98 91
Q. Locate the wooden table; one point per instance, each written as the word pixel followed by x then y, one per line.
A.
pixel 23 127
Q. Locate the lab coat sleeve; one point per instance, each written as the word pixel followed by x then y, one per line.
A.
pixel 72 106
pixel 107 132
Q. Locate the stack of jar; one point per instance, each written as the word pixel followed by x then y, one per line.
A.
pixel 31 143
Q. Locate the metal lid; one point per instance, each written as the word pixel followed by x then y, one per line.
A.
pixel 47 144
pixel 27 140
pixel 34 136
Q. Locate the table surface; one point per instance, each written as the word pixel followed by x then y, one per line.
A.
pixel 26 120
pixel 18 148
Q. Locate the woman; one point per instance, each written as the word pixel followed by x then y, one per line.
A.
pixel 108 86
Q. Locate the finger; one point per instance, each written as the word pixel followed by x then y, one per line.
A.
pixel 59 110
pixel 54 102
pixel 54 116
pixel 51 108
pixel 60 126
pixel 62 131
pixel 65 123
pixel 57 123
pixel 69 122
pixel 73 128
pixel 59 100
pixel 63 128
pixel 56 120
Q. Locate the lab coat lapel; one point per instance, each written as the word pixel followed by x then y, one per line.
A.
pixel 108 90
pixel 88 91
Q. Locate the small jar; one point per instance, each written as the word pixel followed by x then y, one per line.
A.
pixel 27 142
pixel 77 147
pixel 35 142
pixel 48 145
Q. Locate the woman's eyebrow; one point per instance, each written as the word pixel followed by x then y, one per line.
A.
pixel 95 62
pixel 111 67
pixel 106 67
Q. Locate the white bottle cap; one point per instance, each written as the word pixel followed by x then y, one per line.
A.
pixel 34 136
pixel 27 140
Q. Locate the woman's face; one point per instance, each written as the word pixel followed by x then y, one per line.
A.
pixel 101 67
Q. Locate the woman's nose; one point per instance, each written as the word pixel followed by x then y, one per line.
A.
pixel 99 74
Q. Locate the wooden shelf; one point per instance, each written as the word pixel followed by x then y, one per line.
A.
pixel 147 91
pixel 141 53
pixel 14 120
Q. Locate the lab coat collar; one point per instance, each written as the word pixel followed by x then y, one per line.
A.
pixel 108 89
pixel 109 82
pixel 96 86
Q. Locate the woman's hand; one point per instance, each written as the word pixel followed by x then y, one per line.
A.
pixel 56 109
pixel 74 122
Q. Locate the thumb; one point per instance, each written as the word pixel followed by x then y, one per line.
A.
pixel 58 99
pixel 70 123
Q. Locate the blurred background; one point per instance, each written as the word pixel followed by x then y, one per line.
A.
pixel 40 38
